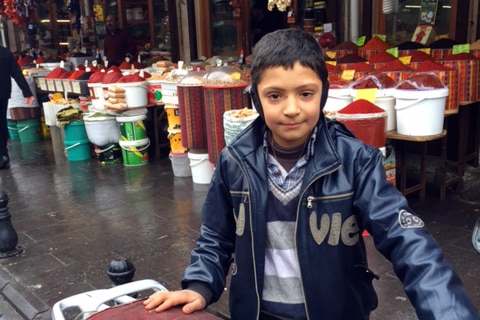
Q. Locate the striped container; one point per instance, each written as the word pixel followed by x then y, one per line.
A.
pixel 217 101
pixel 192 116
pixel 398 76
pixel 468 78
pixel 438 54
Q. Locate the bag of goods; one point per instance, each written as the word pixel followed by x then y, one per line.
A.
pixel 235 121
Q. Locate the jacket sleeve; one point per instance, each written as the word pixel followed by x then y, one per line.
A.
pixel 211 260
pixel 17 74
pixel 430 282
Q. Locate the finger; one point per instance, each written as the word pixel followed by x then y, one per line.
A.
pixel 197 302
pixel 154 300
pixel 196 305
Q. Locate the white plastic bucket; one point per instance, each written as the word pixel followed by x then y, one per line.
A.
pixel 202 168
pixel 180 164
pixel 135 93
pixel 101 130
pixel 420 112
pixel 96 90
pixel 388 104
pixel 384 99
pixel 154 91
pixel 337 99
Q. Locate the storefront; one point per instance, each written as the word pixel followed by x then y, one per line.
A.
pixel 361 40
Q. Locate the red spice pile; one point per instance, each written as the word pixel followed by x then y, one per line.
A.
pixel 76 74
pixel 361 106
pixel 131 78
pixel 395 65
pixel 96 77
pixel 124 65
pixel 382 57
pixel 350 58
pixel 420 56
pixel 347 45
pixel 421 81
pixel 375 44
pixel 58 73
pixel 112 76
pixel 361 67
pixel 460 56
pixel 430 65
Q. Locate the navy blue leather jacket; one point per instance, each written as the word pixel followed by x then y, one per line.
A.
pixel 344 192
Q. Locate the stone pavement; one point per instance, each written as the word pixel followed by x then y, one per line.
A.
pixel 73 218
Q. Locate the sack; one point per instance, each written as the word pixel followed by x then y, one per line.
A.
pixel 136 311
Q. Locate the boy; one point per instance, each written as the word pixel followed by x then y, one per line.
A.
pixel 287 205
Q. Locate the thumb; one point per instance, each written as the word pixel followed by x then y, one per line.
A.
pixel 193 306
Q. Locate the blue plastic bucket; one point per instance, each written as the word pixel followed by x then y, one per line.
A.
pixel 29 130
pixel 13 130
pixel 75 131
pixel 77 150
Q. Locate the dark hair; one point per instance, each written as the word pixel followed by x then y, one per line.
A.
pixel 283 48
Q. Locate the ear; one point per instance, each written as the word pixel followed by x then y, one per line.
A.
pixel 256 104
pixel 325 87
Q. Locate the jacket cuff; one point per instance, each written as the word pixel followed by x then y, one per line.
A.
pixel 201 288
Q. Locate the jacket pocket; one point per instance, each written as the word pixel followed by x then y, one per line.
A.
pixel 366 276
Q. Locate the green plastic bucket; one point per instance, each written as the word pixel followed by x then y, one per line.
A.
pixel 135 153
pixel 12 130
pixel 77 150
pixel 29 130
pixel 132 128
pixel 75 131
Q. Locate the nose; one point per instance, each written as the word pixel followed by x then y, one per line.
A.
pixel 291 106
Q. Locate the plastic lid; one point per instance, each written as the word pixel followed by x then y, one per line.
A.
pixel 421 81
pixel 226 76
pixel 194 78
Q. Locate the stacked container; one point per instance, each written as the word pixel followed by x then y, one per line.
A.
pixel 224 90
pixel 133 138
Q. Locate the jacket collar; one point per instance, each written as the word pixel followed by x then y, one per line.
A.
pixel 251 140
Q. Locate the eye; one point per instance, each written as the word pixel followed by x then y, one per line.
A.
pixel 307 94
pixel 274 96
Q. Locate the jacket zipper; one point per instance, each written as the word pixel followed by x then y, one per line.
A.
pixel 247 200
pixel 309 202
pixel 311 199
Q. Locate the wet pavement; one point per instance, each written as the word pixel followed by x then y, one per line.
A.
pixel 73 218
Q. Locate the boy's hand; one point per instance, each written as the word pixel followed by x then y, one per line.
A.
pixel 163 300
pixel 29 100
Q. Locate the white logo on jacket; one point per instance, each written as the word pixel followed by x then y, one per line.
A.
pixel 408 221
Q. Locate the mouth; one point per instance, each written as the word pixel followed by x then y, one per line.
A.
pixel 291 126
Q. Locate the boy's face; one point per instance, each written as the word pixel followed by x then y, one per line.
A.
pixel 291 103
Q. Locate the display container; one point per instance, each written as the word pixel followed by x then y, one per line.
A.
pixel 224 89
